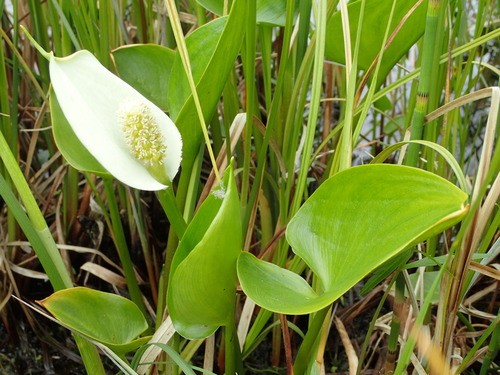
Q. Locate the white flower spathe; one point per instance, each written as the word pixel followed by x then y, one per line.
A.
pixel 133 139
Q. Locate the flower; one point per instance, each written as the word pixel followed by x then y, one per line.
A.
pixel 133 139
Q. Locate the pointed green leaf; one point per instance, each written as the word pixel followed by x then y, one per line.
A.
pixel 379 207
pixel 355 221
pixel 202 287
pixel 104 317
pixel 146 67
pixel 375 19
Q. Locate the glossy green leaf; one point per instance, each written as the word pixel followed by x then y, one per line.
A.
pixel 277 289
pixel 213 73
pixel 202 287
pixel 272 12
pixel 104 317
pixel 146 67
pixel 357 220
pixel 375 19
pixel 68 143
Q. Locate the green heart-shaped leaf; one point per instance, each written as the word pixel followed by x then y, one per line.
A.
pixel 354 222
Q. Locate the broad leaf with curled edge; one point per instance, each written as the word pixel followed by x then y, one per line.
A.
pixel 202 287
pixel 104 317
pixel 354 222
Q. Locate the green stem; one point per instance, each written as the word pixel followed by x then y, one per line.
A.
pixel 317 81
pixel 185 197
pixel 105 12
pixel 232 358
pixel 249 69
pixel 12 130
pixel 46 55
pixel 305 7
pixel 168 202
pixel 70 196
pixel 40 28
pixel 274 113
pixel 309 345
pixel 392 344
pixel 122 248
pixel 90 356
pixel 426 75
pixel 371 327
pixel 201 16
pixel 343 155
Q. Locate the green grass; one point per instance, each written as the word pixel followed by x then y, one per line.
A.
pixel 312 103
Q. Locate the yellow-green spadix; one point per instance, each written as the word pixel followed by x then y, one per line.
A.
pixel 133 139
